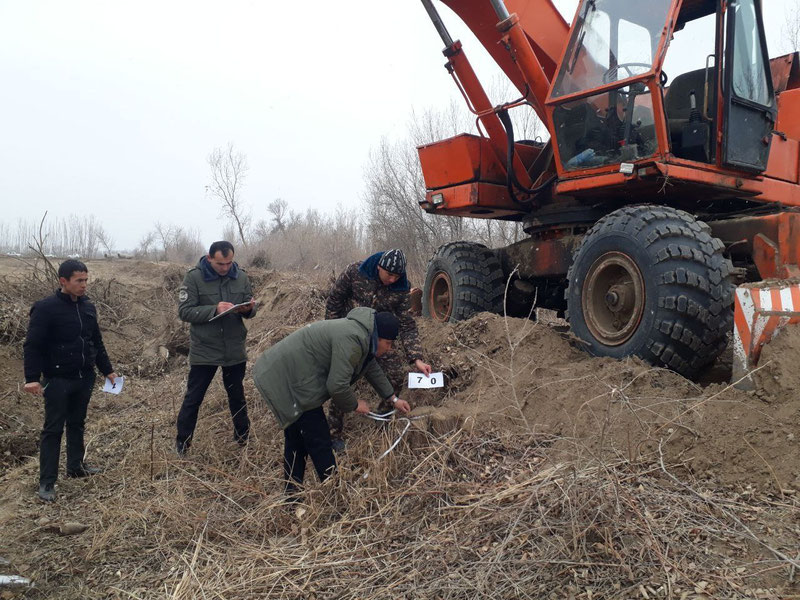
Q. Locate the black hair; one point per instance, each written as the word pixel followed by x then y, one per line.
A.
pixel 222 246
pixel 68 267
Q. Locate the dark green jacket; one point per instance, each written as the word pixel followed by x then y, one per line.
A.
pixel 219 342
pixel 320 361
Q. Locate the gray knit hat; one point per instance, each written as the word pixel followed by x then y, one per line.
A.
pixel 393 261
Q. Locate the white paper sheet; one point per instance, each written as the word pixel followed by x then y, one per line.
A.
pixel 232 308
pixel 420 381
pixel 114 388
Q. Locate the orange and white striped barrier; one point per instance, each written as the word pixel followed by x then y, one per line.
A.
pixel 760 311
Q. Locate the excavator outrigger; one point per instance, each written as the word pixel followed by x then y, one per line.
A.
pixel 656 193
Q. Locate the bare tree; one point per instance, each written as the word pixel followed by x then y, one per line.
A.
pixel 791 28
pixel 261 231
pixel 279 210
pixel 48 273
pixel 165 234
pixel 395 187
pixel 228 173
pixel 146 244
pixel 177 244
pixel 310 241
pixel 105 240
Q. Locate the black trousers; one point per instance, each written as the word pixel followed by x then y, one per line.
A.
pixel 308 436
pixel 200 377
pixel 65 403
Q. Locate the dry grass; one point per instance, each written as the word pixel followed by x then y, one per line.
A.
pixel 453 512
pixel 451 515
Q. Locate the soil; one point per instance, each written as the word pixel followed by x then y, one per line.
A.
pixel 532 376
pixel 526 378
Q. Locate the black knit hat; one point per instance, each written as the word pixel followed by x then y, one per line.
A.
pixel 393 261
pixel 387 325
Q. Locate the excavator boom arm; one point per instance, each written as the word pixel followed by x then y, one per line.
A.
pixel 544 27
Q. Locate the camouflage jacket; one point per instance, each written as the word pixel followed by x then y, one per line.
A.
pixel 359 285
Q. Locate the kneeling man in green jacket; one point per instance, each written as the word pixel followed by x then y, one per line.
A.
pixel 320 361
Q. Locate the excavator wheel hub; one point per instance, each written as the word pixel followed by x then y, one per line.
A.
pixel 613 298
pixel 441 297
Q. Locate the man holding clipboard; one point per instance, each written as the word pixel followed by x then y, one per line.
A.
pixel 214 298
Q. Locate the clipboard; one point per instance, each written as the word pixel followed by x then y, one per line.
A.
pixel 231 309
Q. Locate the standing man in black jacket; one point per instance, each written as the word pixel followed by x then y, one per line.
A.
pixel 64 345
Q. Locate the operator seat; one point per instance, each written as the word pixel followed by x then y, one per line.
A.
pixel 578 127
pixel 678 107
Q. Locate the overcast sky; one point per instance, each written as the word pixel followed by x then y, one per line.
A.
pixel 111 108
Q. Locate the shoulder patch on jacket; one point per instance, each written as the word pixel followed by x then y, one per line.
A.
pixel 183 294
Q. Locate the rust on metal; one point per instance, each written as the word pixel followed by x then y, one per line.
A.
pixel 440 300
pixel 612 298
pixel 785 72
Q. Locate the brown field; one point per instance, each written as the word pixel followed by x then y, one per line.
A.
pixel 537 472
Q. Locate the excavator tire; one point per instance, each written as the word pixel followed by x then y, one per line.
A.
pixel 463 278
pixel 651 281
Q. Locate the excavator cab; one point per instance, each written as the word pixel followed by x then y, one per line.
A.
pixel 612 101
pixel 596 121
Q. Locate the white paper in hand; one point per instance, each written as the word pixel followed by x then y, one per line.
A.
pixel 420 380
pixel 114 388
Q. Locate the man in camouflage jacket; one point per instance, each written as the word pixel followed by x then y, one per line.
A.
pixel 379 282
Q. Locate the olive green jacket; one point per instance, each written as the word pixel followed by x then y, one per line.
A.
pixel 219 342
pixel 320 361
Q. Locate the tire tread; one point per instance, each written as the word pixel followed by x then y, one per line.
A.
pixel 694 281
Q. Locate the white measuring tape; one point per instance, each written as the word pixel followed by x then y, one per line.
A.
pixel 386 417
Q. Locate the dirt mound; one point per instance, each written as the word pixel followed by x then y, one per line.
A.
pixel 286 301
pixel 778 377
pixel 535 378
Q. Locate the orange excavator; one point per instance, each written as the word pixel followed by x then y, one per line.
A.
pixel 670 176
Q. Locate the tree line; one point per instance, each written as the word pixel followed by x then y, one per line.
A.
pixel 73 235
pixel 275 236
pixel 389 216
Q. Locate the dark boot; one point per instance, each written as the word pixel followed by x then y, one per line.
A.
pixel 84 471
pixel 47 492
pixel 182 448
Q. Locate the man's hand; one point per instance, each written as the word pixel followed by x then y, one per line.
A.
pixel 362 408
pixel 401 405
pixel 423 367
pixel 223 306
pixel 112 377
pixel 247 308
pixel 34 387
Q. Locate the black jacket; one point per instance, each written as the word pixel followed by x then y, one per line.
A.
pixel 64 339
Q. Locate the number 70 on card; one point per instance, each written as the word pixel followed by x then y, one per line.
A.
pixel 421 381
